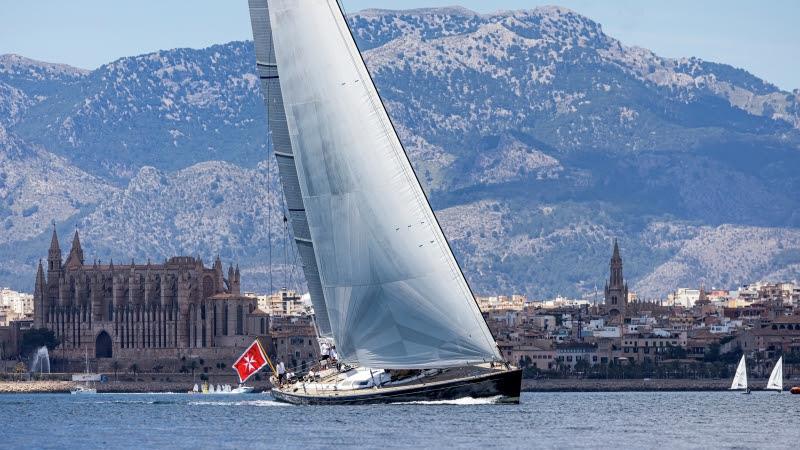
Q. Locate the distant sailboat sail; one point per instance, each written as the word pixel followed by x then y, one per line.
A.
pixel 776 378
pixel 740 379
pixel 392 290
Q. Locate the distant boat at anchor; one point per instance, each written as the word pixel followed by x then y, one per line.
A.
pixel 207 388
pixel 87 378
pixel 385 286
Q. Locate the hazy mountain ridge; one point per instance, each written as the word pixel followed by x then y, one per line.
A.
pixel 37 187
pixel 168 109
pixel 538 137
pixel 207 209
pixel 556 35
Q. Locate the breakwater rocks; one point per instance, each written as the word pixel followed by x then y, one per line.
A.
pixel 586 385
pixel 35 387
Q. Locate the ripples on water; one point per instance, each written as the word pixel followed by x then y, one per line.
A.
pixel 543 420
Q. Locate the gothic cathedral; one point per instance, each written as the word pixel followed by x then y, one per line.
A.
pixel 147 310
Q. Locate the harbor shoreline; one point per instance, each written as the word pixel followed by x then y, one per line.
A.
pixel 528 385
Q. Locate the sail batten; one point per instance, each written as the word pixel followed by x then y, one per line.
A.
pixel 394 294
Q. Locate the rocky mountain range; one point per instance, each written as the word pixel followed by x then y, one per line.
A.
pixel 538 138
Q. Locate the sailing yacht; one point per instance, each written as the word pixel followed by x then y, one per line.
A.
pixel 384 283
pixel 775 382
pixel 740 378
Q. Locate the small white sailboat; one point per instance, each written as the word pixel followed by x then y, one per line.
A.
pixel 86 387
pixel 740 379
pixel 775 382
pixel 83 389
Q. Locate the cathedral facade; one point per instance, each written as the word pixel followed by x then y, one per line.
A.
pixel 133 311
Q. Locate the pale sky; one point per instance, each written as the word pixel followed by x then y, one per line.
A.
pixel 762 37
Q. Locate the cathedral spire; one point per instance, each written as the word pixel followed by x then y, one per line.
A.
pixel 38 297
pixel 54 254
pixel 616 278
pixel 40 276
pixel 54 240
pixel 75 257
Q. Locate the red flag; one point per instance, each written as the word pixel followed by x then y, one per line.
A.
pixel 251 361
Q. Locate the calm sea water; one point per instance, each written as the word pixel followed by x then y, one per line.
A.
pixel 543 420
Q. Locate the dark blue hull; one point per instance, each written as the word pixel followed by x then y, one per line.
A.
pixel 505 385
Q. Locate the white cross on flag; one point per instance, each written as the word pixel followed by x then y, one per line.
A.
pixel 251 361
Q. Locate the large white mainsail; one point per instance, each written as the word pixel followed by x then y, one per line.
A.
pixel 776 377
pixel 394 294
pixel 740 379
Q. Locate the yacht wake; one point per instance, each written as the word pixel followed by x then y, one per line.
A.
pixel 458 401
pixel 240 403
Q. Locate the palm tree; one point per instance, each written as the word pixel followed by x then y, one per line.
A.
pixel 116 366
pixel 134 368
pixel 193 366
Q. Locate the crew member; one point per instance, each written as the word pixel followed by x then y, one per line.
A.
pixel 281 372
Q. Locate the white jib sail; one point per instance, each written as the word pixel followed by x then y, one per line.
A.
pixel 776 377
pixel 394 293
pixel 740 379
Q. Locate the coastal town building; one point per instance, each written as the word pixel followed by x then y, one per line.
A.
pixel 14 306
pixel 685 297
pixel 570 354
pixel 293 340
pixel 285 302
pixel 501 302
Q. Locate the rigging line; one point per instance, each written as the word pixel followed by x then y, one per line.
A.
pixel 289 249
pixel 271 59
pixel 287 271
pixel 285 252
pixel 296 268
pixel 269 217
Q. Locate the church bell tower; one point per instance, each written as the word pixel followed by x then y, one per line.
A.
pixel 616 291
